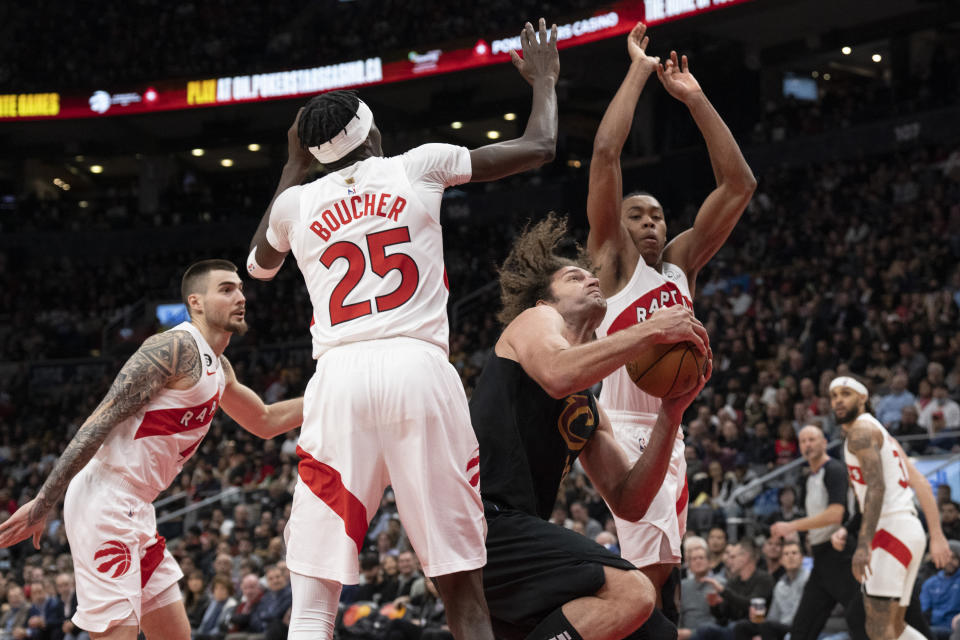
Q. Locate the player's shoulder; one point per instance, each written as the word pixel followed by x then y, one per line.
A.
pixel 863 434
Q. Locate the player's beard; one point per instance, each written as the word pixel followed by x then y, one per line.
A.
pixel 846 417
pixel 238 327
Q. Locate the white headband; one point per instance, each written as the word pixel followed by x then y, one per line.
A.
pixel 352 136
pixel 850 383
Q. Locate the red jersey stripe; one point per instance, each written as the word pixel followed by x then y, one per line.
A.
pixel 167 422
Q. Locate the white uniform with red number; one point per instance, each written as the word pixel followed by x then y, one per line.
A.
pixel 385 406
pixel 122 566
pixel 897 547
pixel 656 538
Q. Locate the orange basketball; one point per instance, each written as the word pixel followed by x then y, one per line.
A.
pixel 667 370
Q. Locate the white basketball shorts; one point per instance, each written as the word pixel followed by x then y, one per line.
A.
pixel 121 563
pixel 656 538
pixel 378 413
pixel 895 557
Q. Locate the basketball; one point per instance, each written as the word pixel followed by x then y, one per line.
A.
pixel 667 370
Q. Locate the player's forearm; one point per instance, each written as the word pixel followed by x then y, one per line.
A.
pixel 78 453
pixel 579 367
pixel 646 476
pixel 928 503
pixel 283 416
pixel 833 514
pixel 872 504
pixel 293 173
pixel 618 118
pixel 541 131
pixel 729 165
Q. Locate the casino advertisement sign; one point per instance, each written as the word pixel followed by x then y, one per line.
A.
pixel 615 20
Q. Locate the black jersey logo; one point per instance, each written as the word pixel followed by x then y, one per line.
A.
pixel 207 360
pixel 577 422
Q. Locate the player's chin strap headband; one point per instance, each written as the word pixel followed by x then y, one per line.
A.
pixel 347 140
pixel 850 383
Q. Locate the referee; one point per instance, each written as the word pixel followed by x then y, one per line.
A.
pixel 831 580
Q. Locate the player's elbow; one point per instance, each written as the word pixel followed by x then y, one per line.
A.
pixel 557 385
pixel 743 184
pixel 606 149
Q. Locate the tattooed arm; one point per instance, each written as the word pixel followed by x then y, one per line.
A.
pixel 864 441
pixel 165 359
pixel 266 421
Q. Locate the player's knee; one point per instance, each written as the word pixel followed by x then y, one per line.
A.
pixel 634 594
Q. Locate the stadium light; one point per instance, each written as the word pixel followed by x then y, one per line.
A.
pixel 253 146
pixel 197 152
pixel 815 74
pixel 456 125
pixel 226 162
pixel 83 204
pixel 493 135
pixel 826 76
pixel 876 57
pixel 95 168
pixel 846 51
pixel 509 116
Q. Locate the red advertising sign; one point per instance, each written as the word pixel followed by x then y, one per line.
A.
pixel 612 21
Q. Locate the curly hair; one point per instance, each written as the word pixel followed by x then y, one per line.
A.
pixel 526 274
pixel 325 115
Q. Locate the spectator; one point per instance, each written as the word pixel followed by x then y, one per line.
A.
pixel 940 595
pixel 42 605
pixel 195 598
pixel 65 604
pixel 890 406
pixel 771 550
pixel 694 608
pixel 908 427
pixel 218 611
pixel 408 572
pixel 13 623
pixel 374 582
pixel 271 617
pixel 731 602
pixel 789 510
pixel 242 620
pixel 950 518
pixel 578 512
pixel 717 546
pixel 786 598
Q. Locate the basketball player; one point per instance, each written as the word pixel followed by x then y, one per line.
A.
pixel 891 541
pixel 639 275
pixel 534 415
pixel 386 406
pixel 131 448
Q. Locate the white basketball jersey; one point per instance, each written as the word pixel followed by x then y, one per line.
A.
pixel 368 242
pixel 149 448
pixel 647 291
pixel 897 494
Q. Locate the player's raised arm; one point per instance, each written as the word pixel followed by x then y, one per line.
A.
pixel 629 490
pixel 266 421
pixel 265 260
pixel 161 359
pixel 719 213
pixel 604 197
pixel 864 442
pixel 540 66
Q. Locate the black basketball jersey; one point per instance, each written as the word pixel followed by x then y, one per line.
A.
pixel 528 440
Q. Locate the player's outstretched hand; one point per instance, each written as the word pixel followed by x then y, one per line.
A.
pixel 939 551
pixel 676 78
pixel 540 56
pixel 17 527
pixel 637 41
pixel 296 152
pixel 678 324
pixel 675 406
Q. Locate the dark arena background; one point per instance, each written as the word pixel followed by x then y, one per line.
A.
pixel 137 137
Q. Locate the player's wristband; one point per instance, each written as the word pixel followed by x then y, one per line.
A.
pixel 258 272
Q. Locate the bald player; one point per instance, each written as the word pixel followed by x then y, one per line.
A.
pixel 891 542
pixel 640 273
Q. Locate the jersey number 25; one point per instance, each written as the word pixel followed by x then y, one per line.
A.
pixel 381 264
